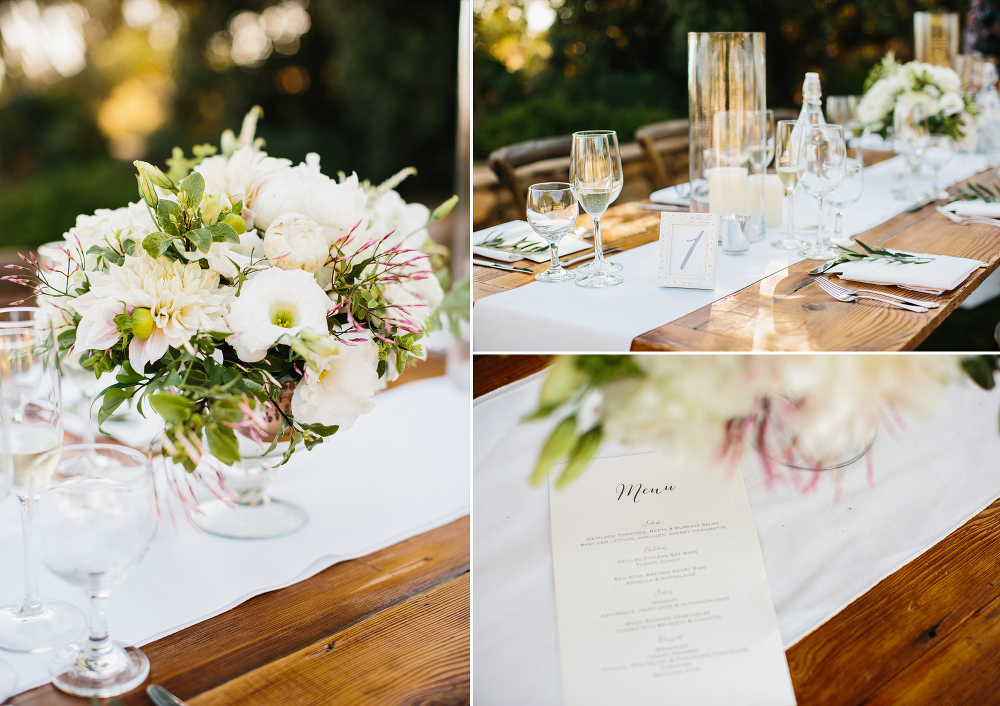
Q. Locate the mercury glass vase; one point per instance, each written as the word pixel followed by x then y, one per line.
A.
pixel 935 38
pixel 251 512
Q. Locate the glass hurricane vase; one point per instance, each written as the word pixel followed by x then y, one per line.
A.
pixel 778 439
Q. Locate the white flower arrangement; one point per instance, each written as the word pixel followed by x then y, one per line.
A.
pixel 937 90
pixel 239 275
pixel 703 408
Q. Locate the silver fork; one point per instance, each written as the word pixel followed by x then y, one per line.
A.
pixel 858 291
pixel 967 220
pixel 837 294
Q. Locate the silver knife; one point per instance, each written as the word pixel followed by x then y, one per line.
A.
pixel 589 255
pixel 505 268
pixel 161 697
pixel 660 207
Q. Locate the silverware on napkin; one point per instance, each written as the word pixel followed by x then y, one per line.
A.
pixel 497 266
pixel 661 207
pixel 838 293
pixel 859 291
pixel 609 251
pixel 161 697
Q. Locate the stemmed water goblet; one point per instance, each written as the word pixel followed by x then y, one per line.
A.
pixel 843 196
pixel 93 512
pixel 30 377
pixel 824 154
pixel 592 176
pixel 617 182
pixel 789 166
pixel 552 213
pixel 8 678
pixel 937 154
pixel 760 141
pixel 909 138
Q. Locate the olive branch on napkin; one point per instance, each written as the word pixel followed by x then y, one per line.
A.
pixel 870 254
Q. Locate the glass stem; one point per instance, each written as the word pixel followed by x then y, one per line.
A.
pixel 819 226
pixel 98 642
pixel 86 402
pixel 32 605
pixel 554 251
pixel 790 211
pixel 598 248
pixel 838 222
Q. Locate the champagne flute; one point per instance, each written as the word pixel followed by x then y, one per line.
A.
pixel 937 154
pixel 824 154
pixel 617 182
pixel 93 511
pixel 592 177
pixel 843 196
pixel 789 167
pixel 8 677
pixel 30 376
pixel 552 213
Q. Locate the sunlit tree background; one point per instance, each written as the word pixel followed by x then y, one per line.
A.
pixel 549 67
pixel 87 86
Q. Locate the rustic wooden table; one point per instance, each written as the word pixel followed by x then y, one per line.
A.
pixel 927 634
pixel 391 627
pixel 787 311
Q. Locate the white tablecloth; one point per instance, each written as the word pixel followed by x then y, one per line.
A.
pixel 563 317
pixel 820 553
pixel 401 470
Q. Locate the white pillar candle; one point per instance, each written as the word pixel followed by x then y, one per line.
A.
pixel 728 190
pixel 774 192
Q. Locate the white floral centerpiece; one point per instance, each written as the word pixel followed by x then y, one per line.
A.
pixel 236 277
pixel 937 90
pixel 701 408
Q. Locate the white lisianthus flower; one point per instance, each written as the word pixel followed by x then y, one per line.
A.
pixel 239 176
pixel 228 259
pixel 343 387
pixel 336 206
pixel 182 300
pixel 106 225
pixel 952 104
pixel 296 242
pixel 274 305
pixel 406 221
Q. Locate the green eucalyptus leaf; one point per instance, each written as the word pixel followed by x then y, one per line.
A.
pixel 201 237
pixel 222 443
pixel 223 233
pixel 156 244
pixel 171 407
pixel 192 189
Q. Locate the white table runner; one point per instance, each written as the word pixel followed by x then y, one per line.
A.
pixel 400 471
pixel 563 317
pixel 820 554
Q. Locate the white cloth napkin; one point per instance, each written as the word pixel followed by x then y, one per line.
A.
pixel 514 231
pixel 821 552
pixel 401 470
pixel 974 208
pixel 942 274
pixel 677 195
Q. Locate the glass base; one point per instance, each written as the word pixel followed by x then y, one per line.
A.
pixel 609 266
pixel 820 251
pixel 599 281
pixel 845 240
pixel 789 244
pixel 556 275
pixel 779 441
pixel 121 670
pixel 266 519
pixel 57 624
pixel 8 681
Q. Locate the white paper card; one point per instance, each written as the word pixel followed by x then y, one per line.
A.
pixel 661 594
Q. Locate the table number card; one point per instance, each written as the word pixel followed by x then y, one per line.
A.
pixel 661 594
pixel 687 250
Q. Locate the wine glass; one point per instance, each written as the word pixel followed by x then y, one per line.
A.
pixel 592 176
pixel 789 167
pixel 617 182
pixel 843 111
pixel 843 196
pixel 8 677
pixel 552 213
pixel 937 154
pixel 93 512
pixel 760 137
pixel 30 376
pixel 909 138
pixel 824 154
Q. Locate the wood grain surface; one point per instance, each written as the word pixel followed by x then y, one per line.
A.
pixel 927 634
pixel 787 311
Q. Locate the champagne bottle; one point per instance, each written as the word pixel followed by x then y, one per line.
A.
pixel 812 106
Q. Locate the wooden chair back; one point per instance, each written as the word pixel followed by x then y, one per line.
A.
pixel 506 161
pixel 665 146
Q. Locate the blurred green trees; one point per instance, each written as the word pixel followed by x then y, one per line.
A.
pixel 370 86
pixel 618 64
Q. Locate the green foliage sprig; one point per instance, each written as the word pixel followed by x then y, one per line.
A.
pixel 870 253
pixel 520 247
pixel 977 192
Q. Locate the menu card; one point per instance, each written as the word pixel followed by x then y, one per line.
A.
pixel 661 594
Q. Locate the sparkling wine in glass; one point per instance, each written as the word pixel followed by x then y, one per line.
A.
pixel 592 176
pixel 824 155
pixel 847 193
pixel 789 168
pixel 29 374
pixel 552 213
pixel 93 513
pixel 617 182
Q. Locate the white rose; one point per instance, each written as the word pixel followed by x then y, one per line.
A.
pixel 274 305
pixel 297 242
pixel 240 175
pixel 406 221
pixel 952 104
pixel 342 389
pixel 130 221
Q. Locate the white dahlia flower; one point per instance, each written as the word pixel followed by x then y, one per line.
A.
pixel 105 226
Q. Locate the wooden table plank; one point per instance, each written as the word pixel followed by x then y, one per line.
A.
pixel 928 633
pixel 787 311
pixel 271 626
pixel 416 652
